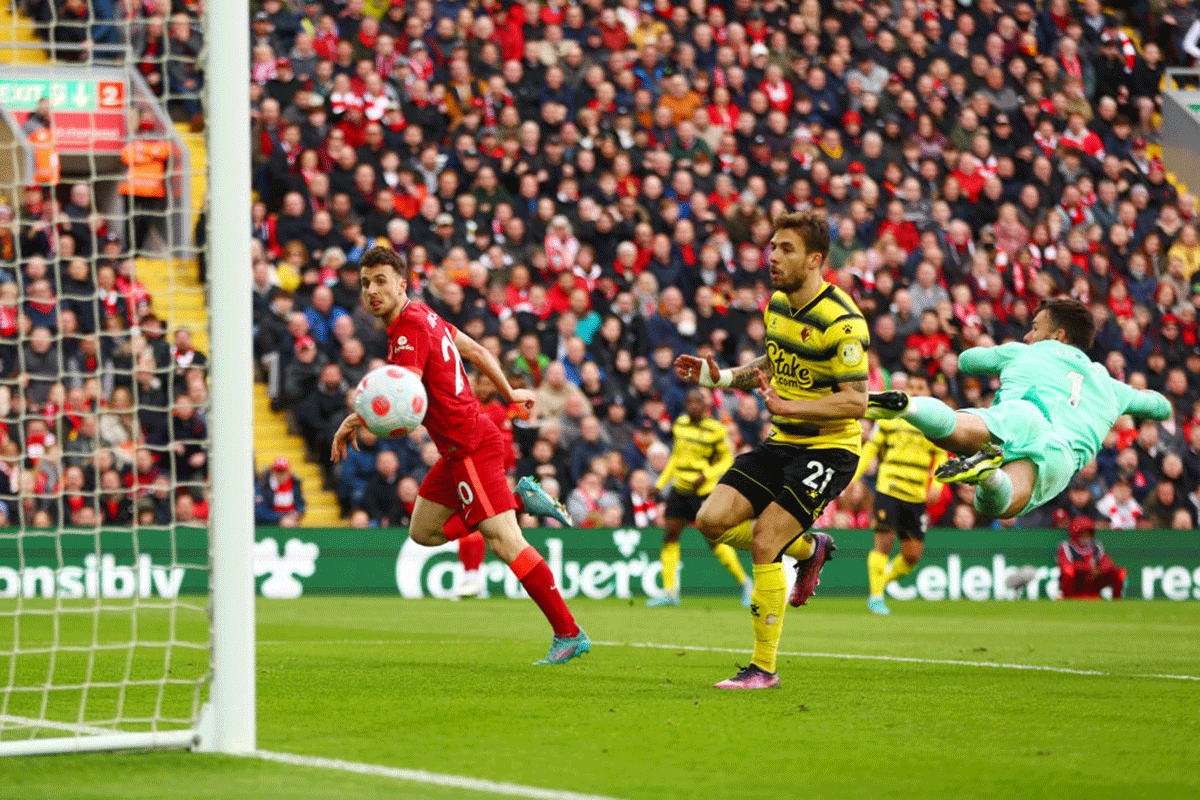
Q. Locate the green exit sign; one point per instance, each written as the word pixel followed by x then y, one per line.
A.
pixel 23 95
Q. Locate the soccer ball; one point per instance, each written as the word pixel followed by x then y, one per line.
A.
pixel 391 401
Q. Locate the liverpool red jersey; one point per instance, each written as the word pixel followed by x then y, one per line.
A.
pixel 422 341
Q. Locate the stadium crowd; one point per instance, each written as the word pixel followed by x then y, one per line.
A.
pixel 587 189
pixel 103 410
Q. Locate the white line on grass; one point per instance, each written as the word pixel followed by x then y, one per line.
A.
pixel 799 654
pixel 421 776
pixel 906 659
pixel 356 642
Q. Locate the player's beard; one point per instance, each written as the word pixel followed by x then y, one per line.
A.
pixel 787 284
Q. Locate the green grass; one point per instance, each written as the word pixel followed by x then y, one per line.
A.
pixel 449 688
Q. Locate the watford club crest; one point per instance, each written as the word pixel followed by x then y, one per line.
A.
pixel 805 334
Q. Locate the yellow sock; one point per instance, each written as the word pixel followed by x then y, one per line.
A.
pixel 877 564
pixel 802 548
pixel 670 562
pixel 739 537
pixel 898 569
pixel 766 612
pixel 729 560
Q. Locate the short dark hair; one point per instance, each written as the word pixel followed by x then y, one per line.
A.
pixel 812 227
pixel 381 254
pixel 1073 316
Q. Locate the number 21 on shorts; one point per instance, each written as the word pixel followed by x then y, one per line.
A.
pixel 818 480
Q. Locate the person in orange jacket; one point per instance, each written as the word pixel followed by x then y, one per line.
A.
pixel 145 187
pixel 40 132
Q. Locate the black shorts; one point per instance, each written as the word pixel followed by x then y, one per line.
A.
pixel 906 520
pixel 681 505
pixel 800 479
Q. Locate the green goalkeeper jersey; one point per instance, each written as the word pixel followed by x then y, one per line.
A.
pixel 1076 395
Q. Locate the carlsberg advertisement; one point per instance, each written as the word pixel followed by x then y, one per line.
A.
pixel 596 563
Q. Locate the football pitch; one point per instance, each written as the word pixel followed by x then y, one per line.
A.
pixel 436 699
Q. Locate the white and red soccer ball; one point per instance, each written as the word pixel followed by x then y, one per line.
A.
pixel 391 401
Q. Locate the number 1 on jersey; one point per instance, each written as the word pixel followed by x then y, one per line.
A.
pixel 460 372
pixel 1076 381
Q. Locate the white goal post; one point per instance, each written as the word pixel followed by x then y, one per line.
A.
pixel 99 653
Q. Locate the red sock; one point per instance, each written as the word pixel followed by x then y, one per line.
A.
pixel 454 528
pixel 520 502
pixel 471 550
pixel 531 569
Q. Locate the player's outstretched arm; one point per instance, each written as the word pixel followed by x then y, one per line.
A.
pixel 478 355
pixel 1145 404
pixel 347 431
pixel 984 360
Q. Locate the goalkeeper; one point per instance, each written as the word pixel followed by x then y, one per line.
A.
pixel 1052 411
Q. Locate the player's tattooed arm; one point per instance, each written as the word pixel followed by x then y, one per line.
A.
pixel 746 377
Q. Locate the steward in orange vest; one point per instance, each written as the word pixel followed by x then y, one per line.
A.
pixel 46 170
pixel 147 168
pixel 145 187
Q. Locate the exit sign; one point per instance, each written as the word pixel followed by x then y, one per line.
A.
pixel 87 116
pixel 23 95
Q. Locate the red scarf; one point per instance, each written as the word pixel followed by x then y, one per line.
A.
pixel 1076 214
pixel 8 320
pixel 688 251
pixel 643 510
pixel 1122 309
pixel 43 307
pixel 283 499
pixel 1071 66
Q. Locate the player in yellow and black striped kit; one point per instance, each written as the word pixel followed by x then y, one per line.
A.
pixel 699 458
pixel 903 485
pixel 813 380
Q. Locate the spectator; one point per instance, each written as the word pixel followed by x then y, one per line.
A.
pixel 356 470
pixel 589 445
pixel 381 498
pixel 591 506
pixel 301 375
pixel 322 315
pixel 1119 507
pixel 144 187
pixel 279 498
pixel 189 451
pixel 1084 568
pixel 185 78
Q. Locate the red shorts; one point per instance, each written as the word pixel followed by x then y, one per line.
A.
pixel 474 483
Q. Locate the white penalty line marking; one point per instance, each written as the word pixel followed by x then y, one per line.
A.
pixel 908 660
pixel 313 642
pixel 434 778
pixel 798 654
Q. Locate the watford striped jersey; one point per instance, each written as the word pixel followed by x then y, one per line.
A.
pixel 812 350
pixel 906 458
pixel 701 451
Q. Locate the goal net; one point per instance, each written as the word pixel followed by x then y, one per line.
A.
pixel 111 478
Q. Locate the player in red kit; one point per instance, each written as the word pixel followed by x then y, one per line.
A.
pixel 472 548
pixel 466 488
